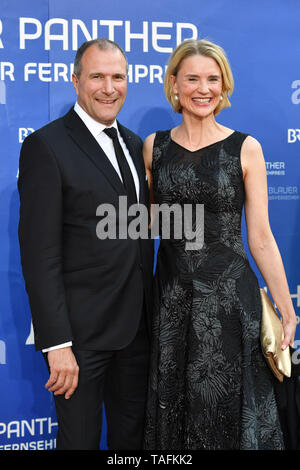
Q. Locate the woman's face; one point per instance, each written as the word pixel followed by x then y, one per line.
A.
pixel 198 85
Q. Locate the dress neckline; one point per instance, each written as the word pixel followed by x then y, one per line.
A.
pixel 201 148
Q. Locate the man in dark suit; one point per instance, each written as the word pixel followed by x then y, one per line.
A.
pixel 90 299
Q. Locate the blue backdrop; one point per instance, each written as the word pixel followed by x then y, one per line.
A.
pixel 38 41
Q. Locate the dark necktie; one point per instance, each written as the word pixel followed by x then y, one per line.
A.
pixel 123 165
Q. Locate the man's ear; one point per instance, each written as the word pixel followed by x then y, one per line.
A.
pixel 75 82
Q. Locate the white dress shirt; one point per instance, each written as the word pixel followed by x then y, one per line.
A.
pixel 106 143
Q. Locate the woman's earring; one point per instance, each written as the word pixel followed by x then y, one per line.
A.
pixel 176 97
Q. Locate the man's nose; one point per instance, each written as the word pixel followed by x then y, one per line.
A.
pixel 108 86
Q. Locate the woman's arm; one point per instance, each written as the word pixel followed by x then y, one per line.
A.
pixel 261 241
pixel 148 154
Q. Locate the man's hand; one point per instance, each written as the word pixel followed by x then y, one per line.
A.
pixel 64 372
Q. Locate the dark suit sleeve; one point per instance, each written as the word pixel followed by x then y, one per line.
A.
pixel 40 237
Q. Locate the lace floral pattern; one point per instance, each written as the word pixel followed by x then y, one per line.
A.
pixel 209 386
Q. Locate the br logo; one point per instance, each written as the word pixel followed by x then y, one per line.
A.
pixel 24 132
pixel 293 135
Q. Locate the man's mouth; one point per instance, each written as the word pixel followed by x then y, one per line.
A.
pixel 106 102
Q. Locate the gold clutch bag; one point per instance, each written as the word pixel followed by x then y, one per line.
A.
pixel 271 336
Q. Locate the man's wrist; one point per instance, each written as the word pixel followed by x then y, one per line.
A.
pixel 59 346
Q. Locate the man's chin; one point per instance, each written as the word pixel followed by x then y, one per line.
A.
pixel 104 119
pixel 107 117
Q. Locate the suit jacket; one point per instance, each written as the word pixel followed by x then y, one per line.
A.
pixel 80 288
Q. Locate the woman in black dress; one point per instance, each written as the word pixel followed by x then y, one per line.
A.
pixel 209 385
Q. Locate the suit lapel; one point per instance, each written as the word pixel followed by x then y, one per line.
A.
pixel 88 144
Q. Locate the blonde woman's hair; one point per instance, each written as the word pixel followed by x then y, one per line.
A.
pixel 205 48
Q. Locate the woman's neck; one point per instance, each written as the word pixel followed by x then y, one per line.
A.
pixel 195 132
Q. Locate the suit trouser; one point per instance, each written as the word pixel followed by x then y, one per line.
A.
pixel 117 378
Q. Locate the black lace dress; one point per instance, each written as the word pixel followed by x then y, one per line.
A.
pixel 209 385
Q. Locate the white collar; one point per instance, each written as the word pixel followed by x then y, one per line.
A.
pixel 93 126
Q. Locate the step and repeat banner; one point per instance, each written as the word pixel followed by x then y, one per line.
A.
pixel 38 42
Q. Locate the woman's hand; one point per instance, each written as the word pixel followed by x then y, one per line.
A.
pixel 289 323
